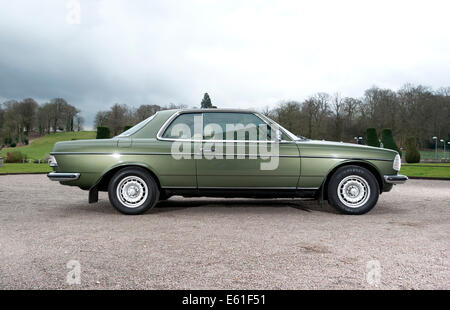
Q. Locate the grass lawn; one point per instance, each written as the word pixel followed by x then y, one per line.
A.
pixel 429 154
pixel 25 168
pixel 426 170
pixel 429 165
pixel 39 148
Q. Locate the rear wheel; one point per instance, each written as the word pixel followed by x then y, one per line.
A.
pixel 353 190
pixel 133 191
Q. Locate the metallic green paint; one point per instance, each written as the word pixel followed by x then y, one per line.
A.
pixel 302 163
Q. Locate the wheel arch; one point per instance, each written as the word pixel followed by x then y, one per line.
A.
pixel 102 183
pixel 364 164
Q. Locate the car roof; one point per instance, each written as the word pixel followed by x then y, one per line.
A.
pixel 215 110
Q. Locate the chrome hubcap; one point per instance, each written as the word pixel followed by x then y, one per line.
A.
pixel 353 191
pixel 132 191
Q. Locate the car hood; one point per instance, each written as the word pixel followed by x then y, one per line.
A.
pixel 344 144
pixel 336 149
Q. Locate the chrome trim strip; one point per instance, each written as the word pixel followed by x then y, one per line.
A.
pixel 155 153
pixel 212 153
pixel 244 187
pixel 55 176
pixel 350 158
pixel 82 153
pixel 395 179
pixel 152 153
pixel 179 187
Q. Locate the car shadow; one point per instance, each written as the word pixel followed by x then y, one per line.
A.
pixel 174 205
pixel 306 205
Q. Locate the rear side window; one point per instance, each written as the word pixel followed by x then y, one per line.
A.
pixel 182 127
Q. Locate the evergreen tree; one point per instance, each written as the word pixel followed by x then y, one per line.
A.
pixel 103 133
pixel 372 137
pixel 388 140
pixel 412 154
pixel 206 102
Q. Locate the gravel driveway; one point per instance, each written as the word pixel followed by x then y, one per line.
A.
pixel 404 243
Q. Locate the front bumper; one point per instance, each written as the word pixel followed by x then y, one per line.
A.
pixel 395 179
pixel 61 177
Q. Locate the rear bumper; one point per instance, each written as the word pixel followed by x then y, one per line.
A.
pixel 61 177
pixel 395 179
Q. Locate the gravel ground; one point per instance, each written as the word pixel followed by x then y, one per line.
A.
pixel 222 243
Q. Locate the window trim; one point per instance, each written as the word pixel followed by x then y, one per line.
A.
pixel 172 118
pixel 166 125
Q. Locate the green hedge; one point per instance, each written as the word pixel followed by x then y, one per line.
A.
pixel 372 137
pixel 103 133
pixel 412 154
pixel 388 140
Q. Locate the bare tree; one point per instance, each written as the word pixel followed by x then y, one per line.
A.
pixel 26 110
pixel 145 111
pixel 337 113
pixel 119 117
pixel 56 112
pixel 79 121
pixel 288 114
pixel 101 119
pixel 44 119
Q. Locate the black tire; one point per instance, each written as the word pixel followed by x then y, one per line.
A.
pixel 135 184
pixel 353 190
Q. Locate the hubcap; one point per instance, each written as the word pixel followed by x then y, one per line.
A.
pixel 132 191
pixel 353 191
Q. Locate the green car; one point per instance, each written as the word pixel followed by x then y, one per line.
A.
pixel 223 153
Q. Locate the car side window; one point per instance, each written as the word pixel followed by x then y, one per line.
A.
pixel 232 126
pixel 182 127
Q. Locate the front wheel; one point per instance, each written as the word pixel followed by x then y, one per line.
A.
pixel 353 190
pixel 133 191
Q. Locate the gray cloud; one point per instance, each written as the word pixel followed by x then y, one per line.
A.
pixel 244 53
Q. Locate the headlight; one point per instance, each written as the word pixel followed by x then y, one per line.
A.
pixel 52 161
pixel 397 163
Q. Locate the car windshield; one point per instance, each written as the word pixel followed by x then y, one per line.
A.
pixel 137 127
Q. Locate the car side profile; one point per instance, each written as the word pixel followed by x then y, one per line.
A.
pixel 223 153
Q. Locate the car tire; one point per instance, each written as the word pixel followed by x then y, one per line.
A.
pixel 353 190
pixel 133 191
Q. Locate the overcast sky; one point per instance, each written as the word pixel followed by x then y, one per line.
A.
pixel 247 54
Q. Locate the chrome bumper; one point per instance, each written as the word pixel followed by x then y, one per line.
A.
pixel 395 179
pixel 60 177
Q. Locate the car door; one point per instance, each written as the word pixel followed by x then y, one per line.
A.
pixel 228 157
